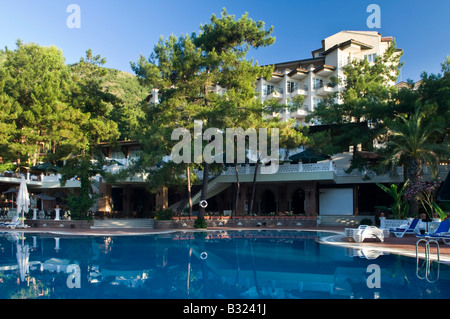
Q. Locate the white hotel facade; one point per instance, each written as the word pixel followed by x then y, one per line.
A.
pixel 311 77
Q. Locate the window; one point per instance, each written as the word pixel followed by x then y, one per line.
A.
pixel 135 153
pixel 281 90
pixel 292 86
pixel 117 155
pixel 318 83
pixel 342 60
pixel 316 102
pixel 370 57
pixel 345 59
pixel 268 89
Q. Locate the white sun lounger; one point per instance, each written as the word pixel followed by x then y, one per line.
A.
pixel 363 232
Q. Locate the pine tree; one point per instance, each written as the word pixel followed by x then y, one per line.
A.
pixel 37 118
pixel 188 70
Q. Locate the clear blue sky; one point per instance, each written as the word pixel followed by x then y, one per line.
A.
pixel 122 30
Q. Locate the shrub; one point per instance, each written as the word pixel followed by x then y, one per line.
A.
pixel 79 206
pixel 200 223
pixel 366 221
pixel 164 214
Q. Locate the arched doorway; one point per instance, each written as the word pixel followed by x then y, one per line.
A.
pixel 268 203
pixel 298 202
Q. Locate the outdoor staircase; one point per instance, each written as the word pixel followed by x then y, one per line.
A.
pixel 123 223
pixel 214 188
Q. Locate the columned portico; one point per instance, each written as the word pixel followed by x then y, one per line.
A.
pixel 298 198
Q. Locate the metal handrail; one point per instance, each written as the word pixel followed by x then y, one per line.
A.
pixel 427 260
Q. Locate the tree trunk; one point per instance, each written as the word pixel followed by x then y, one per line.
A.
pixel 189 190
pixel 201 213
pixel 238 189
pixel 253 188
pixel 412 172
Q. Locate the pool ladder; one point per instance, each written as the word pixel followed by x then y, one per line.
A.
pixel 427 260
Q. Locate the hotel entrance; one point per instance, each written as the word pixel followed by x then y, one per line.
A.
pixel 298 202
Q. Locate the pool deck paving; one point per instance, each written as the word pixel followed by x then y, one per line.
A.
pixel 405 245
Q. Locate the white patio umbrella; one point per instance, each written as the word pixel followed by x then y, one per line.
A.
pixel 23 199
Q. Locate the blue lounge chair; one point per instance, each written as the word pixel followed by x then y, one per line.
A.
pixel 399 232
pixel 15 222
pixel 445 237
pixel 442 230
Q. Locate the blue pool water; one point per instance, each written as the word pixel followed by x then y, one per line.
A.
pixel 196 265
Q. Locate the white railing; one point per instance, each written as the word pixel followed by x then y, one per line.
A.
pixel 398 171
pixel 51 178
pixel 327 166
pixel 284 168
pixel 392 223
pixel 404 223
pixel 121 161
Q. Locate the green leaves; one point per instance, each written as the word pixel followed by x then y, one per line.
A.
pixel 34 80
pixel 367 90
pixel 400 208
pixel 412 143
pixel 442 215
pixel 227 34
pixel 51 111
pixel 203 76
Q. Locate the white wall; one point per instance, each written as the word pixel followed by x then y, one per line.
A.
pixel 336 201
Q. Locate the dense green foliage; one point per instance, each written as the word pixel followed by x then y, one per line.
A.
pixel 187 71
pixel 51 111
pixel 129 95
pixel 367 89
pixel 56 113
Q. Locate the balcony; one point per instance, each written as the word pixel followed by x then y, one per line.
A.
pixel 300 113
pixel 274 95
pixel 302 90
pixel 298 74
pixel 324 90
pixel 276 77
pixel 325 70
pixel 325 170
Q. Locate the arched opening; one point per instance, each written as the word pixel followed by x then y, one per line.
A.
pixel 298 202
pixel 268 204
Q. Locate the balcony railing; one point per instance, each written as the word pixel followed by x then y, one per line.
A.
pixel 285 168
pixel 288 168
pixel 274 95
pixel 301 112
pixel 324 90
pixel 327 166
pixel 301 90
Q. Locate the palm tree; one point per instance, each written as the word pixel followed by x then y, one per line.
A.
pixel 411 145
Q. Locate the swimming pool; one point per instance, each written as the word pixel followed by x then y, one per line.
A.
pixel 197 265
